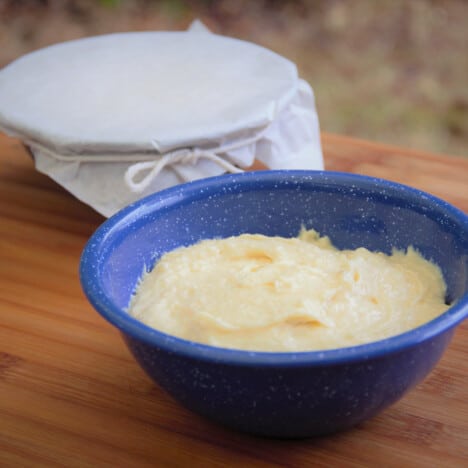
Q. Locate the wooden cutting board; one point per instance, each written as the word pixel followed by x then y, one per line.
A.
pixel 71 395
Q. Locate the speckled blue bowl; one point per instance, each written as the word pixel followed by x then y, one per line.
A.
pixel 281 394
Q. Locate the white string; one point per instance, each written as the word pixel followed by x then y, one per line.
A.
pixel 153 165
pixel 184 156
pixel 153 168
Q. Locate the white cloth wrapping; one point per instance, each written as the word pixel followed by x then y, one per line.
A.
pixel 114 118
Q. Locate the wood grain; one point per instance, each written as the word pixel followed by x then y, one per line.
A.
pixel 71 395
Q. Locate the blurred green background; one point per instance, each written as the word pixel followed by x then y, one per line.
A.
pixel 393 71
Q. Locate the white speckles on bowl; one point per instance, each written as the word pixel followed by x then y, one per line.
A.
pixel 281 394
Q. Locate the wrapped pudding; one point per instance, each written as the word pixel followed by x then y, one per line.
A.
pixel 113 118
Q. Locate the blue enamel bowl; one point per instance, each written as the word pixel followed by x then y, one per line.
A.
pixel 293 394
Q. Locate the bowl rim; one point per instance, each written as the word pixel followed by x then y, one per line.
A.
pixel 132 327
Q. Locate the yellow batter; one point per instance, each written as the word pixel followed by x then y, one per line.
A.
pixel 276 294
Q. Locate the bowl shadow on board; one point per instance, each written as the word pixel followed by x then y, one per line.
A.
pixel 287 395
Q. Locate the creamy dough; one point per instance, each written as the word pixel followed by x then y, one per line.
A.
pixel 276 294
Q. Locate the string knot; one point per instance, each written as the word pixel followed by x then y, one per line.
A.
pixel 139 176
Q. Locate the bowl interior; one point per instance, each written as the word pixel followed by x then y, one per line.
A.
pixel 352 210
